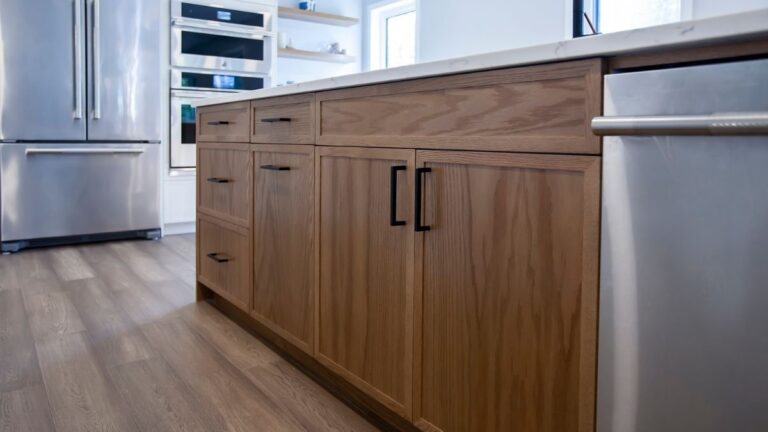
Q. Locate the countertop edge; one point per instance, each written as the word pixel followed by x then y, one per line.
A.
pixel 718 29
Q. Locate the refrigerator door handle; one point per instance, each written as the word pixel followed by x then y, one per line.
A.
pixel 96 35
pixel 81 151
pixel 78 35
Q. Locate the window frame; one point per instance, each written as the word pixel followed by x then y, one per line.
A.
pixel 378 13
pixel 592 8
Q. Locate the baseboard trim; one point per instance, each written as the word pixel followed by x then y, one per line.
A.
pixel 179 228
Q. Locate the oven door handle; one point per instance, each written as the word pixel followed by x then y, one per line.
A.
pixel 222 31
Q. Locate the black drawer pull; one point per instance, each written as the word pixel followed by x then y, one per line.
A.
pixel 419 193
pixel 217 257
pixel 276 168
pixel 219 122
pixel 275 119
pixel 217 180
pixel 393 195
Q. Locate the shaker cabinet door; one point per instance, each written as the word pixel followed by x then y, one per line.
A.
pixel 284 241
pixel 507 290
pixel 365 321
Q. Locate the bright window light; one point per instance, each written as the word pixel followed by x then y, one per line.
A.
pixel 392 34
pixel 618 15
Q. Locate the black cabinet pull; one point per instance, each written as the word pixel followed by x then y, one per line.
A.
pixel 276 168
pixel 219 122
pixel 419 193
pixel 217 180
pixel 393 195
pixel 275 119
pixel 216 257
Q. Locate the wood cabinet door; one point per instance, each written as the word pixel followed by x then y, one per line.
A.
pixel 507 291
pixel 365 319
pixel 283 241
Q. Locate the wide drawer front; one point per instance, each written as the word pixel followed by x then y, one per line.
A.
pixel 224 260
pixel 544 108
pixel 223 123
pixel 287 120
pixel 224 176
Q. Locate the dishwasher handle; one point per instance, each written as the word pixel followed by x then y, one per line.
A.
pixel 753 123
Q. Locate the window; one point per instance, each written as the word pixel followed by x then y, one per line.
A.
pixel 616 15
pixel 392 34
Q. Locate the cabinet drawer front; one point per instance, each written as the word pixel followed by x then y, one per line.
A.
pixel 289 120
pixel 223 123
pixel 534 109
pixel 224 260
pixel 224 178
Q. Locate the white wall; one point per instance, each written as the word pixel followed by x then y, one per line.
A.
pixel 317 37
pixel 709 8
pixel 452 28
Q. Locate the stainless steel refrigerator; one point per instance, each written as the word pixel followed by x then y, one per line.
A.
pixel 683 341
pixel 80 120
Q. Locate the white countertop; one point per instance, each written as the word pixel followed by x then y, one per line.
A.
pixel 698 32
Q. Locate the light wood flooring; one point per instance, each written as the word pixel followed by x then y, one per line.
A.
pixel 108 337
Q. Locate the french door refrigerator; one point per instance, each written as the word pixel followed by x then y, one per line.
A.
pixel 80 120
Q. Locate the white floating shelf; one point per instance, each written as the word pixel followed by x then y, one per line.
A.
pixel 316 17
pixel 314 55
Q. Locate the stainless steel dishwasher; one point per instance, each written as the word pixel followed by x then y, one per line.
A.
pixel 683 339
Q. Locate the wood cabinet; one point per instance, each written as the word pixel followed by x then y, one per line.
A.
pixel 390 236
pixel 288 119
pixel 223 260
pixel 542 109
pixel 283 239
pixel 508 292
pixel 223 123
pixel 224 180
pixel 365 320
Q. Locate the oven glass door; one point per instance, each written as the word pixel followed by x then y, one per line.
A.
pixel 184 128
pixel 198 80
pixel 215 49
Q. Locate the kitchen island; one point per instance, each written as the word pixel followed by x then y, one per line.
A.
pixel 424 241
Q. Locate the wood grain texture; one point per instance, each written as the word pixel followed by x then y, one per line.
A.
pixel 509 292
pixel 18 358
pixel 232 341
pixel 81 396
pixel 8 275
pixel 209 374
pixel 300 109
pixel 228 201
pixel 284 241
pixel 25 409
pixel 113 335
pixel 51 315
pixel 313 407
pixel 366 272
pixel 236 114
pixel 161 401
pixel 231 279
pixel 69 264
pixel 542 109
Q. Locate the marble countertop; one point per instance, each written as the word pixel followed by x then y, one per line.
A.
pixel 742 26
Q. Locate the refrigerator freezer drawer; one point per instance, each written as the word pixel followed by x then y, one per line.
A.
pixel 58 190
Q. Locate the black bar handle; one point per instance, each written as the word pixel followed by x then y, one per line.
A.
pixel 393 195
pixel 215 256
pixel 276 167
pixel 419 193
pixel 275 119
pixel 219 122
pixel 217 180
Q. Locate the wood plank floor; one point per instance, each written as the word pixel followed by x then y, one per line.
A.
pixel 108 337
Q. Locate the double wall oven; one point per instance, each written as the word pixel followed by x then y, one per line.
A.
pixel 216 47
